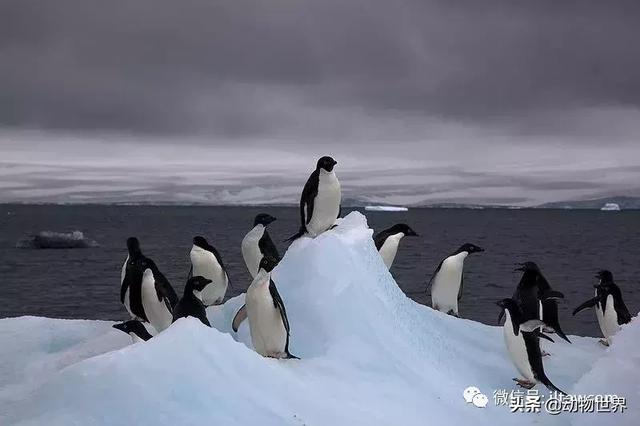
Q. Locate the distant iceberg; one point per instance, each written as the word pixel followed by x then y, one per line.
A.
pixel 369 356
pixel 610 207
pixel 385 209
pixel 56 240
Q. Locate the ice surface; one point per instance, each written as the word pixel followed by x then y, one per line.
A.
pixel 370 356
pixel 56 240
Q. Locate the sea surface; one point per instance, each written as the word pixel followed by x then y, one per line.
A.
pixel 569 245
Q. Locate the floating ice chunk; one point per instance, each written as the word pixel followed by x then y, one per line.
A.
pixel 56 240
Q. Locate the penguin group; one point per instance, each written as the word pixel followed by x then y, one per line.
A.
pixel 530 314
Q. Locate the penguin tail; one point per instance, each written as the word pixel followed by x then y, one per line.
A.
pixel 289 356
pixel 545 381
pixel 297 235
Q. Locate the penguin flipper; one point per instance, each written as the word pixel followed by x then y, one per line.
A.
pixel 279 305
pixel 435 273
pixel 543 336
pixel 190 274
pixel 531 325
pixel 560 333
pixel 240 316
pixel 588 304
pixel 461 286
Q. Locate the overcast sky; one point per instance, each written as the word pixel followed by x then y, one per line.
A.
pixel 231 101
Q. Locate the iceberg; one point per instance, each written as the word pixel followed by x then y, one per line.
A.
pixel 385 209
pixel 610 207
pixel 369 356
pixel 56 240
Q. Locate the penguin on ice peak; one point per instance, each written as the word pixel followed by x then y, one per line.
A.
pixel 190 305
pixel 448 279
pixel 268 322
pixel 387 241
pixel 522 339
pixel 135 329
pixel 206 262
pixel 158 297
pixel 611 311
pixel 257 244
pixel 320 200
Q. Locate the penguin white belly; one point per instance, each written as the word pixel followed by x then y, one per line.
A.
pixel 268 334
pixel 446 285
pixel 326 206
pixel 251 250
pixel 389 249
pixel 205 264
pixel 600 316
pixel 610 319
pixel 517 350
pixel 156 310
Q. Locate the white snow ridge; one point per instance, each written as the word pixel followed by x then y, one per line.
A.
pixel 369 356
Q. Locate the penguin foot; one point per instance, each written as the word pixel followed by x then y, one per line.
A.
pixel 453 314
pixel 333 226
pixel 604 342
pixel 545 353
pixel 524 383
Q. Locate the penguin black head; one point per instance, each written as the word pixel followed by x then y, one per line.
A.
pixel 327 163
pixel 133 246
pixel 201 242
pixel 605 276
pixel 528 267
pixel 263 219
pixel 268 263
pixel 135 327
pixel 197 283
pixel 469 248
pixel 404 228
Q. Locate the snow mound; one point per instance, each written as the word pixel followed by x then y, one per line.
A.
pixel 370 356
pixel 56 240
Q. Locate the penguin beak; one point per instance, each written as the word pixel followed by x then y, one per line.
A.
pixel 479 249
pixel 412 233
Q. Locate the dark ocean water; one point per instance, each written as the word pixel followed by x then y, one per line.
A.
pixel 570 246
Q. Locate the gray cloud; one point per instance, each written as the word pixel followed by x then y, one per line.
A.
pixel 250 68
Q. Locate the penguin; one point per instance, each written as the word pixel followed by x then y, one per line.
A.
pixel 387 241
pixel 611 310
pixel 158 297
pixel 537 299
pixel 135 329
pixel 448 280
pixel 190 305
pixel 320 200
pixel 133 255
pixel 206 262
pixel 268 322
pixel 522 339
pixel 257 244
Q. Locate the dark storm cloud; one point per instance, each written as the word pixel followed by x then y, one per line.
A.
pixel 247 68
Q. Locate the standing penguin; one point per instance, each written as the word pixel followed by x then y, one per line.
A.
pixel 133 256
pixel 206 262
pixel 522 339
pixel 268 322
pixel 611 311
pixel 190 305
pixel 537 299
pixel 135 329
pixel 320 200
pixel 387 241
pixel 448 280
pixel 257 244
pixel 158 297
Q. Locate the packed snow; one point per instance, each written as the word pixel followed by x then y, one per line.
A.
pixel 370 356
pixel 56 240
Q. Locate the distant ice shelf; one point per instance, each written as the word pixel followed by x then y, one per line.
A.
pixel 385 209
pixel 610 207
